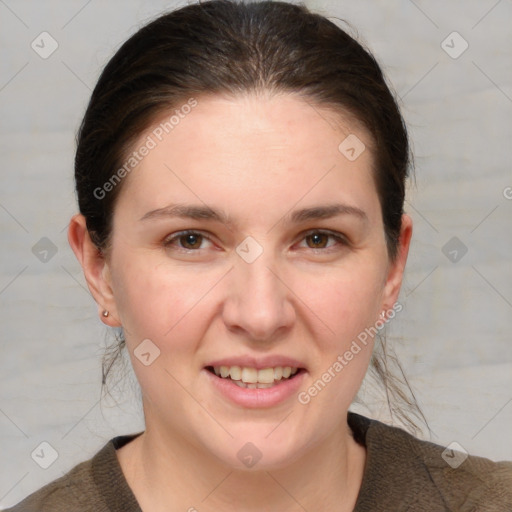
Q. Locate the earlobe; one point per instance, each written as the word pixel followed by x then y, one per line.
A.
pixel 95 269
pixel 397 267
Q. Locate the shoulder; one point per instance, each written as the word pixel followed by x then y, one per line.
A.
pixel 69 492
pixel 421 471
pixel 97 484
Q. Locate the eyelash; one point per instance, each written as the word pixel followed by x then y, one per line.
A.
pixel 169 241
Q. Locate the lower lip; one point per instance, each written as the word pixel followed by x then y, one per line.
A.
pixel 257 398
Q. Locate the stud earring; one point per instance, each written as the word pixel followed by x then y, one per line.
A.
pixel 105 313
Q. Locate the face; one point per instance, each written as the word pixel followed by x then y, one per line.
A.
pixel 246 242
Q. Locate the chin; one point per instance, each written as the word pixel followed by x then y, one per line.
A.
pixel 258 449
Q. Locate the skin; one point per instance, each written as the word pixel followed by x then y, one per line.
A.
pixel 256 157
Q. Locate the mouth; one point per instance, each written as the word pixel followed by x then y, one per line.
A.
pixel 253 378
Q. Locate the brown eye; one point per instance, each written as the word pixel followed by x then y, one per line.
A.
pixel 191 241
pixel 186 240
pixel 318 240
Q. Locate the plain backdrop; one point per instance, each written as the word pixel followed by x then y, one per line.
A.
pixel 454 333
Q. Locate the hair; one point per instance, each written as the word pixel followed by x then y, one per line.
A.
pixel 229 47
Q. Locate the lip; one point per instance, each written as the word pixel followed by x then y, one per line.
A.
pixel 260 363
pixel 256 398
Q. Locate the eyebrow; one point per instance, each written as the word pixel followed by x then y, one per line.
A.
pixel 200 212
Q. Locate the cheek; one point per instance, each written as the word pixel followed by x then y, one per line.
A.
pixel 161 303
pixel 346 301
pixel 163 306
pixel 157 301
pixel 141 296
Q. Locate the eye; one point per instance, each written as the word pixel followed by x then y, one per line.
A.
pixel 186 240
pixel 192 241
pixel 318 239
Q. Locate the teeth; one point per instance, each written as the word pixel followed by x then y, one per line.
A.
pixel 252 378
pixel 241 384
pixel 235 372
pixel 266 376
pixel 249 375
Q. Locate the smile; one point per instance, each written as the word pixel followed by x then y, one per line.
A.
pixel 252 378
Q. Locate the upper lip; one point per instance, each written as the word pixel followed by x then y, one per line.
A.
pixel 258 362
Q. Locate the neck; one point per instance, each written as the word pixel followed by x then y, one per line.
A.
pixel 167 473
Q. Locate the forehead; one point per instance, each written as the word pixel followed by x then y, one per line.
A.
pixel 252 150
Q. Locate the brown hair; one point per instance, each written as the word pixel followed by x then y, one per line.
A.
pixel 229 47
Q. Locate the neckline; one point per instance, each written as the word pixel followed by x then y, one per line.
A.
pixel 118 495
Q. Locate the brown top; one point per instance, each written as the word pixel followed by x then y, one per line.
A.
pixel 402 473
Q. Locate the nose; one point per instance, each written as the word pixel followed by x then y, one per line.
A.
pixel 259 304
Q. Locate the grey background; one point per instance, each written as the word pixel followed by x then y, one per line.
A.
pixel 453 336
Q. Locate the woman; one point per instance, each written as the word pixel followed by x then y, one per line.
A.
pixel 240 173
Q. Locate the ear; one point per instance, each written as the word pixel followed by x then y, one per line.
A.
pixel 95 268
pixel 396 268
